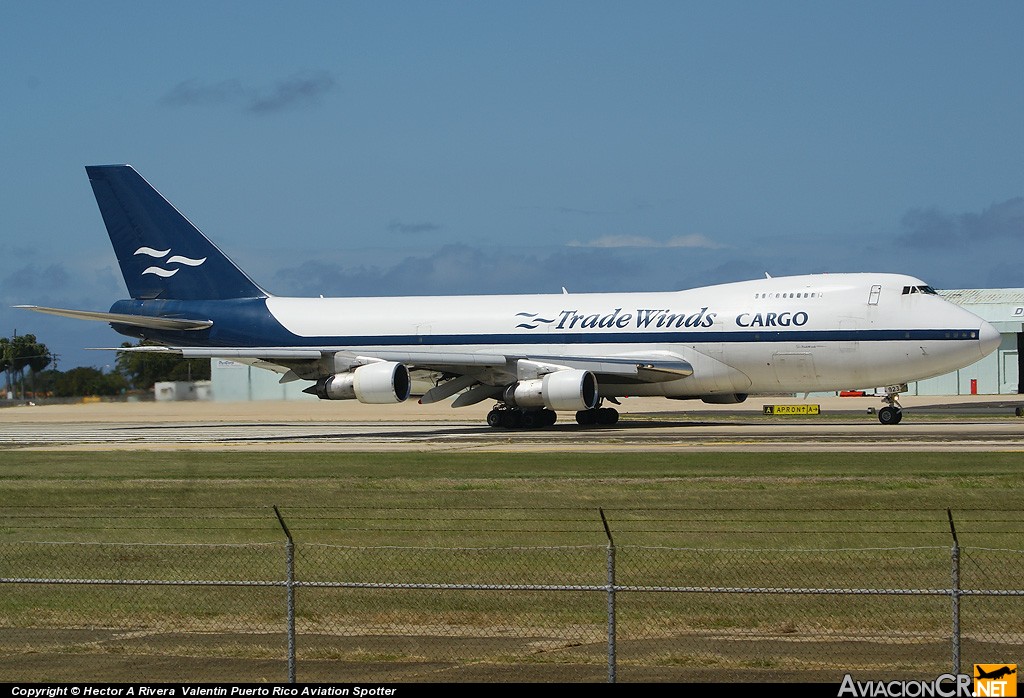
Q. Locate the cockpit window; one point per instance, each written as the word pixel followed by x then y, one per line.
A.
pixel 919 289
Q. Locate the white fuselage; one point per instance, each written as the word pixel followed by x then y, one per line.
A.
pixel 801 333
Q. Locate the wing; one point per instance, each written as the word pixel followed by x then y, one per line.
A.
pixel 478 376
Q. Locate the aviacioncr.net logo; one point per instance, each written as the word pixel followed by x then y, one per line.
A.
pixel 945 686
pixel 995 680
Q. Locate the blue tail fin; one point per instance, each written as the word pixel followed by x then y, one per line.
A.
pixel 162 255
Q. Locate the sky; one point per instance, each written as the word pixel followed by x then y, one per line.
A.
pixel 411 148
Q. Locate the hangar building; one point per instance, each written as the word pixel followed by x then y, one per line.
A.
pixel 999 373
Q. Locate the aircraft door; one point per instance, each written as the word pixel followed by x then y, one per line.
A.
pixel 1011 372
pixel 876 291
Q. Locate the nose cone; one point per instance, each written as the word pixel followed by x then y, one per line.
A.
pixel 988 339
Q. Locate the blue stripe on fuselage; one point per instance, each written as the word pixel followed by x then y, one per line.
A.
pixel 247 322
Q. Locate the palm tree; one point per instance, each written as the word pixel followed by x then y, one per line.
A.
pixel 23 351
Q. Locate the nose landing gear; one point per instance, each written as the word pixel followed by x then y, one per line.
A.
pixel 892 413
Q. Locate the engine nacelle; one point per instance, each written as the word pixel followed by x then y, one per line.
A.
pixel 571 389
pixel 725 399
pixel 378 384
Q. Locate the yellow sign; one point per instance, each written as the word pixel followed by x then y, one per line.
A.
pixel 792 409
pixel 995 680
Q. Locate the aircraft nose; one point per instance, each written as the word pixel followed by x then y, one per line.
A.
pixel 988 339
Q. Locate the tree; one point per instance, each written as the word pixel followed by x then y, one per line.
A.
pixel 45 382
pixel 21 352
pixel 86 380
pixel 5 363
pixel 142 369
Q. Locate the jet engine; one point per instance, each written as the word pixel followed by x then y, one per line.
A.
pixel 378 383
pixel 725 399
pixel 571 389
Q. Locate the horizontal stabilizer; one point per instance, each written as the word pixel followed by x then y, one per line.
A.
pixel 153 323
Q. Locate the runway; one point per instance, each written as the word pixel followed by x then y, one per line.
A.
pixel 648 425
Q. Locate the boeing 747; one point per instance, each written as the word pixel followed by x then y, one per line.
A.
pixel 535 355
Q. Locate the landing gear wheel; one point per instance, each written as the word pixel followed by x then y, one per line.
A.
pixel 510 419
pixel 530 419
pixel 494 418
pixel 890 415
pixel 518 418
pixel 607 416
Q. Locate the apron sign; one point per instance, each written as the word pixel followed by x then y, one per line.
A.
pixel 791 409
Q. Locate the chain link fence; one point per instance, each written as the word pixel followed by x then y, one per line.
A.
pixel 318 612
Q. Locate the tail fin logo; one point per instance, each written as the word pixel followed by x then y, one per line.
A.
pixel 175 259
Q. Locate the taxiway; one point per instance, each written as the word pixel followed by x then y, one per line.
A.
pixel 984 423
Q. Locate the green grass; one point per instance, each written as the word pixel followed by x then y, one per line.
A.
pixel 690 500
pixel 773 519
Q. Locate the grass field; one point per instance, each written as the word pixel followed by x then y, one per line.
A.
pixel 692 500
pixel 806 510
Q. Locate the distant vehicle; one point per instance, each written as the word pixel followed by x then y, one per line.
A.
pixel 534 354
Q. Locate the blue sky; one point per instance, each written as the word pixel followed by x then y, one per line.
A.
pixel 459 147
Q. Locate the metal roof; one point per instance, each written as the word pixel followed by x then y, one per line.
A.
pixel 984 296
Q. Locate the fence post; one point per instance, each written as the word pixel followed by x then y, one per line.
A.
pixel 955 593
pixel 290 592
pixel 611 599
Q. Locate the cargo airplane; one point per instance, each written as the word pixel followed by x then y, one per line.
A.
pixel 534 355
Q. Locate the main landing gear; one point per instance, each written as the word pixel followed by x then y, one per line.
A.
pixel 519 418
pixel 892 413
pixel 605 416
